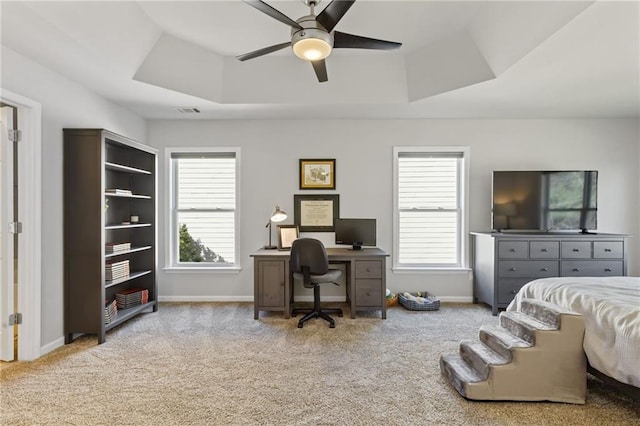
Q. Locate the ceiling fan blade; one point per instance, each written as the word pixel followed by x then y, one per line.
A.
pixel 274 13
pixel 344 40
pixel 263 51
pixel 331 14
pixel 320 67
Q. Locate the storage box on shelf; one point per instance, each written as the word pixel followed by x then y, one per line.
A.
pixel 108 179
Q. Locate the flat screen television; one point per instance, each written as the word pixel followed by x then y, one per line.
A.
pixel 356 232
pixel 545 201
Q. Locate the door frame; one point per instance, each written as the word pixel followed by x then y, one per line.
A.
pixel 30 214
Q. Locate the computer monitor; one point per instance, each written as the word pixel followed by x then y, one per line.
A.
pixel 356 232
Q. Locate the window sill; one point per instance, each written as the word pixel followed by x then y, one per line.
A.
pixel 425 270
pixel 201 269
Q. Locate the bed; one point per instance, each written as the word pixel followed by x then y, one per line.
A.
pixel 611 310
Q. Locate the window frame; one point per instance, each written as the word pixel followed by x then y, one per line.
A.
pixel 171 246
pixel 463 202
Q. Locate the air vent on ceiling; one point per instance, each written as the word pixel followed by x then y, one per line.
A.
pixel 188 110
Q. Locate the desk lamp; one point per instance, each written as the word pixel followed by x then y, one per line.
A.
pixel 277 216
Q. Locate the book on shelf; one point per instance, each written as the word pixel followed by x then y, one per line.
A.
pixel 118 191
pixel 116 270
pixel 132 297
pixel 110 311
pixel 115 247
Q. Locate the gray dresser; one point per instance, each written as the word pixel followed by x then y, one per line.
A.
pixel 503 263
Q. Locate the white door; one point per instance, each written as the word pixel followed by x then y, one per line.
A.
pixel 7 340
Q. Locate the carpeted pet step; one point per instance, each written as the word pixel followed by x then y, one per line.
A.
pixel 458 372
pixel 545 312
pixel 501 341
pixel 480 357
pixel 522 325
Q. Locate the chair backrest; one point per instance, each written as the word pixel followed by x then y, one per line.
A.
pixel 309 252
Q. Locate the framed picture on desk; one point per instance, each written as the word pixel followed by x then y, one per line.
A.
pixel 316 213
pixel 287 234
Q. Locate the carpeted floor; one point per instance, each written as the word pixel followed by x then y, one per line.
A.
pixel 213 364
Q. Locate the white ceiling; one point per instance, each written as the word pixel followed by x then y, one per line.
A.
pixel 474 59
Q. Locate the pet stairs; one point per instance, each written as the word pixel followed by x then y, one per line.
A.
pixel 535 354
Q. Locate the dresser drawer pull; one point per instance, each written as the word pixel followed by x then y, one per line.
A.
pixel 576 269
pixel 544 250
pixel 512 250
pixel 576 250
pixel 512 269
pixel 369 293
pixel 607 269
pixel 514 292
pixel 607 250
pixel 544 269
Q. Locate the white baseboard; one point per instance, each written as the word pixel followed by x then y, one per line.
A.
pixel 205 298
pixel 49 347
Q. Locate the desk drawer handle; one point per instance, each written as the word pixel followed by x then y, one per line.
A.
pixel 368 270
pixel 576 250
pixel 544 269
pixel 369 293
pixel 576 269
pixel 607 269
pixel 544 250
pixel 512 250
pixel 512 269
pixel 607 250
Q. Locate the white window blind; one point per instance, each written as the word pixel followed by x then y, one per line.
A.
pixel 204 208
pixel 429 212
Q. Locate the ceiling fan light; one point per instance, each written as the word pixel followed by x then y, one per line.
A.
pixel 312 49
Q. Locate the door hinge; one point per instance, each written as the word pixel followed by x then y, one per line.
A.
pixel 15 135
pixel 15 319
pixel 15 227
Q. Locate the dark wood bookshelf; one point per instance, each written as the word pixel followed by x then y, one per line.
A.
pixel 96 160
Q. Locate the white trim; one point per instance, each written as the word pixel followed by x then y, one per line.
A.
pixel 30 211
pixel 169 199
pixel 456 299
pixel 207 269
pixel 463 241
pixel 401 270
pixel 205 299
pixel 50 347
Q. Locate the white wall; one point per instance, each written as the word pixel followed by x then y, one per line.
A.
pixel 363 153
pixel 64 104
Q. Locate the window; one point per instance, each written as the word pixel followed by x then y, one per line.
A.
pixel 429 215
pixel 203 208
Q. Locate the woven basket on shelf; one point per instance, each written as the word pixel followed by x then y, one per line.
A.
pixel 431 304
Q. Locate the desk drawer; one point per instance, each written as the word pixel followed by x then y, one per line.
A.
pixel 608 250
pixel 368 293
pixel 532 268
pixel 513 249
pixel 576 249
pixel 592 268
pixel 368 269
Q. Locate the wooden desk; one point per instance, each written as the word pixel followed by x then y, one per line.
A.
pixel 365 280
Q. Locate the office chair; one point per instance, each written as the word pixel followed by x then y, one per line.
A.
pixel 309 262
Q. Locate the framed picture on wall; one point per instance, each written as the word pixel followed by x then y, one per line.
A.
pixel 318 174
pixel 287 234
pixel 316 213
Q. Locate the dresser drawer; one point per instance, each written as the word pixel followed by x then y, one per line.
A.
pixel 508 287
pixel 592 268
pixel 608 250
pixel 576 249
pixel 368 269
pixel 544 249
pixel 368 293
pixel 513 249
pixel 530 268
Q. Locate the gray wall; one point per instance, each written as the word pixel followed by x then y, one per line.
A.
pixel 363 152
pixel 64 104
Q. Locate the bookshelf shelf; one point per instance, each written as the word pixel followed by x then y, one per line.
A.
pixel 122 172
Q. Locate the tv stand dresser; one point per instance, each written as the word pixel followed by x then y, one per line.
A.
pixel 504 262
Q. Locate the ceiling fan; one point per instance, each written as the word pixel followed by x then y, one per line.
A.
pixel 311 36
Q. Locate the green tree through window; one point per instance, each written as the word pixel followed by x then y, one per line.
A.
pixel 192 250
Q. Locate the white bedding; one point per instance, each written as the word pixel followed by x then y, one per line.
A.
pixel 611 310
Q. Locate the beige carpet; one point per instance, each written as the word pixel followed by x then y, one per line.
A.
pixel 213 364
